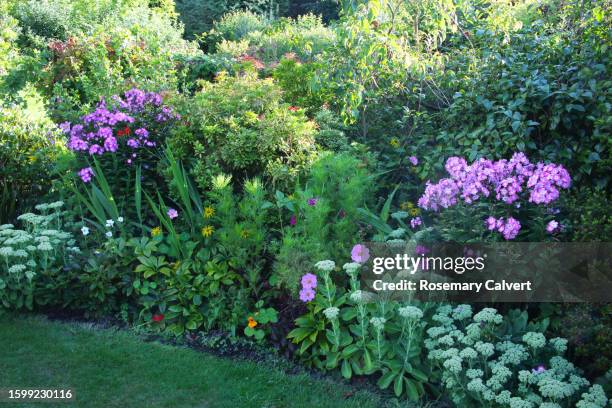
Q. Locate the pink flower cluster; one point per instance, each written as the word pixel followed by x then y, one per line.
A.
pixel 505 179
pixel 508 227
pixel 108 129
pixel 309 284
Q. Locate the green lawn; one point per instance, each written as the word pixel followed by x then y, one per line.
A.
pixel 110 368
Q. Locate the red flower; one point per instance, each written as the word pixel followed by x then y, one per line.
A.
pixel 123 132
pixel 294 108
pixel 157 318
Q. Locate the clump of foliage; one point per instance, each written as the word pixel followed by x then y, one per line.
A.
pixel 478 367
pixel 318 219
pixel 34 259
pixel 240 126
pixel 351 329
pixel 30 146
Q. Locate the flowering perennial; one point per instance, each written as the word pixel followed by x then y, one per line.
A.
pixel 503 179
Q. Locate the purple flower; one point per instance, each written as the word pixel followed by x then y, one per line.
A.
pixel 511 228
pixel 142 132
pixel 77 144
pixel 441 195
pixel 539 369
pixel 65 127
pixel 506 178
pixel 491 223
pixel 415 222
pixel 86 174
pixel 96 149
pixel 312 201
pixel 413 160
pixel 360 253
pixel 105 132
pixel 110 144
pixel 421 250
pixel 172 213
pixel 133 143
pixel 307 294
pixel 552 226
pixel 293 220
pixel 309 281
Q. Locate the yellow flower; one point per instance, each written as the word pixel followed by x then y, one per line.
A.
pixel 252 322
pixel 414 212
pixel 244 233
pixel 394 143
pixel 209 212
pixel 207 231
pixel 406 205
pixel 156 231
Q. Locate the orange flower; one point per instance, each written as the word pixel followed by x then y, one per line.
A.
pixel 252 322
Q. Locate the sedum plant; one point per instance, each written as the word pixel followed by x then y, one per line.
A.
pixel 352 330
pixel 32 258
pixel 481 368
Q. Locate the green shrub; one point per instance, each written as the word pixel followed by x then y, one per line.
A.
pixel 321 220
pixel 201 16
pixel 139 50
pixel 239 126
pixel 30 145
pixel 234 26
pixel 297 80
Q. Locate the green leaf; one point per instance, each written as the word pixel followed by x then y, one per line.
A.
pixel 346 369
pixel 398 385
pixel 411 389
pixel 385 380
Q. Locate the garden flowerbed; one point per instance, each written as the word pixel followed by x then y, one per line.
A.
pixel 236 185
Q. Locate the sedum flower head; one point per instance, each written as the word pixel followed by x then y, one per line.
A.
pixel 410 312
pixel 534 340
pixel 331 312
pixel 45 246
pixel 17 268
pixel 462 312
pixel 378 322
pixel 559 344
pixel 351 268
pixel 594 398
pixel 488 315
pixel 6 251
pixel 325 266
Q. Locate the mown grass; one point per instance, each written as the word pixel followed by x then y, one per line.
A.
pixel 114 368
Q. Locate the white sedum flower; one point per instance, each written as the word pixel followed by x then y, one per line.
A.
pixel 109 234
pixel 17 268
pixel 45 246
pixel 325 266
pixel 85 231
pixel 410 312
pixel 331 312
pixel 109 223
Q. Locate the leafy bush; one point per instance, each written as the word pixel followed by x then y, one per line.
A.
pixel 29 148
pixel 138 52
pixel 234 26
pixel 239 126
pixel 319 219
pixel 200 17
